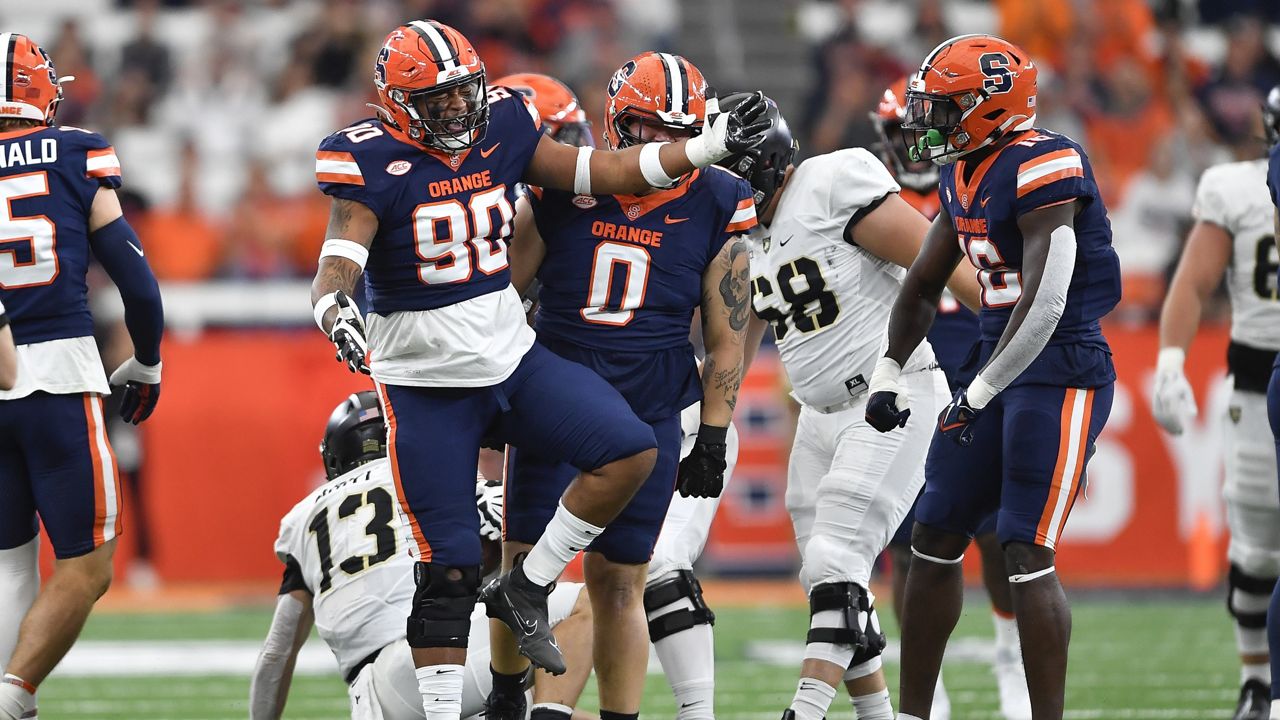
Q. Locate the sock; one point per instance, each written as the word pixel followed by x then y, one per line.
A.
pixel 608 715
pixel 840 655
pixel 441 689
pixel 550 711
pixel 19 583
pixel 1008 645
pixel 688 661
pixel 1273 642
pixel 17 696
pixel 508 685
pixel 1255 671
pixel 904 716
pixel 565 536
pixel 875 706
pixel 813 699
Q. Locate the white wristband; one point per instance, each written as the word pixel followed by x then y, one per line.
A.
pixel 651 166
pixel 582 175
pixel 1170 359
pixel 322 307
pixel 885 376
pixel 980 392
pixel 348 249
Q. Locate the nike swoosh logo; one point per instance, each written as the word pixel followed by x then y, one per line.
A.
pixel 952 426
pixel 487 153
pixel 135 248
pixel 672 221
pixel 784 242
pixel 528 626
pixel 983 201
pixel 441 672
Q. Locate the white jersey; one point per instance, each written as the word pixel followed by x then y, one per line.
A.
pixel 349 538
pixel 1234 196
pixel 828 299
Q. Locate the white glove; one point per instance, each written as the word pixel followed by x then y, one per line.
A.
pixel 348 336
pixel 1173 403
pixel 490 502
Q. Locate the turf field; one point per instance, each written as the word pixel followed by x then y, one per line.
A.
pixel 1157 658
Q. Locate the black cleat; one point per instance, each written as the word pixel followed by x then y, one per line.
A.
pixel 1255 701
pixel 505 707
pixel 522 607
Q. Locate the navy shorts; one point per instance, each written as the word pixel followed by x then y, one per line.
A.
pixel 56 462
pixel 1273 410
pixel 434 434
pixel 536 482
pixel 902 536
pixel 1027 464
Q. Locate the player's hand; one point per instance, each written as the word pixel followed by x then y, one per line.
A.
pixel 729 133
pixel 141 389
pixel 956 419
pixel 348 335
pixel 1173 403
pixel 888 406
pixel 701 473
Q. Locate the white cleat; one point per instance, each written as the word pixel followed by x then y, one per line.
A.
pixel 1011 680
pixel 941 709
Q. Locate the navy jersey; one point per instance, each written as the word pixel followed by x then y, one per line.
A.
pixel 443 220
pixel 48 179
pixel 623 274
pixel 1273 184
pixel 1037 169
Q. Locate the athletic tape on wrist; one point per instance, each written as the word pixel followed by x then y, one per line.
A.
pixel 651 166
pixel 980 392
pixel 582 174
pixel 1031 576
pixel 885 376
pixel 322 307
pixel 348 249
pixel 940 561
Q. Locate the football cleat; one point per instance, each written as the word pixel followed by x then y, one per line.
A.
pixel 522 606
pixel 505 707
pixel 1011 681
pixel 1255 701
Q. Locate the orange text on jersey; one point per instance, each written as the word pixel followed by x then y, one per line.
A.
pixel 474 181
pixel 977 226
pixel 626 233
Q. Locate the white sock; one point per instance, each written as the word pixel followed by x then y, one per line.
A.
pixel 563 710
pixel 15 698
pixel 19 583
pixel 904 716
pixel 1256 671
pixel 1008 645
pixel 813 699
pixel 840 655
pixel 566 535
pixel 875 706
pixel 688 660
pixel 441 689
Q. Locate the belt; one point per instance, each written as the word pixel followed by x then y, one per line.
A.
pixel 1250 366
pixel 355 671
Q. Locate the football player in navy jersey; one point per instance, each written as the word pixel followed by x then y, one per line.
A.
pixel 1023 205
pixel 954 338
pixel 1271 117
pixel 621 276
pixel 59 207
pixel 423 205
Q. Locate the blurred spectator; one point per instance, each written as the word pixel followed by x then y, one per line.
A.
pixel 71 56
pixel 1127 119
pixel 1041 27
pixel 851 75
pixel 1235 89
pixel 265 236
pixel 147 55
pixel 332 44
pixel 289 130
pixel 182 244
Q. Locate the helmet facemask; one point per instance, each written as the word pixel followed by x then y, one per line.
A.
pixel 918 175
pixel 931 129
pixel 573 134
pixel 430 121
pixel 628 122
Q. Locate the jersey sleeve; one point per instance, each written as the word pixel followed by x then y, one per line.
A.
pixel 289 540
pixel 339 173
pixel 1055 173
pixel 522 124
pixel 1211 203
pixel 858 183
pixel 90 162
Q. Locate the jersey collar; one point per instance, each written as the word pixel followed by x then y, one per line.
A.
pixel 451 161
pixel 637 205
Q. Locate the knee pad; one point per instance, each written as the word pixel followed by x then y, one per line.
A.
pixel 861 624
pixel 1251 615
pixel 441 612
pixel 684 586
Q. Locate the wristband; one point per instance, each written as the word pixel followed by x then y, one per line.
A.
pixel 651 166
pixel 1170 359
pixel 582 174
pixel 322 307
pixel 347 249
pixel 713 434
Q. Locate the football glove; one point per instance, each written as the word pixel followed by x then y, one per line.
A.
pixel 956 419
pixel 490 502
pixel 348 335
pixel 888 406
pixel 729 133
pixel 701 473
pixel 141 389
pixel 1173 403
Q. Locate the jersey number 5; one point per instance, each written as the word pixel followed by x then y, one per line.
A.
pixel 379 528
pixel 28 254
pixel 453 238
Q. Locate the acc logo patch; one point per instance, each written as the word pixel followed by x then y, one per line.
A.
pixel 584 201
pixel 399 167
pixel 620 77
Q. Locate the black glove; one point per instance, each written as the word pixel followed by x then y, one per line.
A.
pixel 883 413
pixel 348 335
pixel 748 124
pixel 701 473
pixel 956 419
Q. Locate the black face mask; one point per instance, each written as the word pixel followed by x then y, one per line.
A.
pixel 432 129
pixel 929 121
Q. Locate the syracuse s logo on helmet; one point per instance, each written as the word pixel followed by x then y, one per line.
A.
pixel 620 77
pixel 995 66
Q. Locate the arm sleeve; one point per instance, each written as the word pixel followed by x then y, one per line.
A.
pixel 275 662
pixel 117 247
pixel 1211 203
pixel 859 184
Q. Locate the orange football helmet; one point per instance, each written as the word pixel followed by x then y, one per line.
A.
pixel 431 86
pixel 921 176
pixel 32 88
pixel 562 115
pixel 970 91
pixel 654 88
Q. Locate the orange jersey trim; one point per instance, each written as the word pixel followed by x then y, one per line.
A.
pixel 424 547
pixel 647 203
pixel 1068 471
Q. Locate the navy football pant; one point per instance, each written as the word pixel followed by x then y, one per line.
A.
pixel 1273 610
pixel 56 463
pixel 434 434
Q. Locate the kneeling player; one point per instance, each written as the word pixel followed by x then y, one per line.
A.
pixel 347 568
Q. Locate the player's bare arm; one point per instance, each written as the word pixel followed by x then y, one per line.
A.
pixel 725 311
pixel 917 301
pixel 527 248
pixel 353 222
pixel 8 354
pixel 756 328
pixel 895 231
pixel 1204 260
pixel 273 673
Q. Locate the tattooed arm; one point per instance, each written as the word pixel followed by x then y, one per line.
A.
pixel 352 221
pixel 725 310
